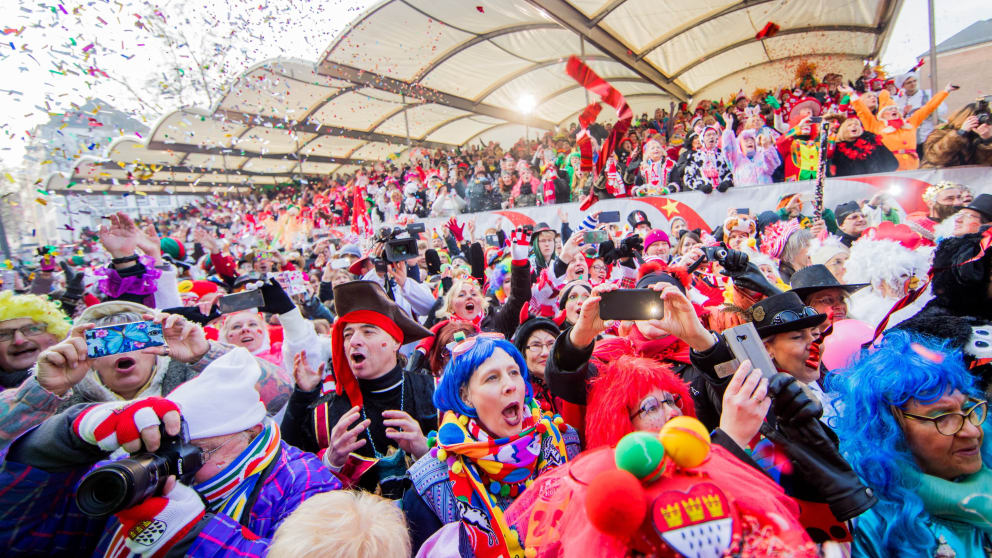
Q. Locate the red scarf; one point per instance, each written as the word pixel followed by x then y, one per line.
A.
pixel 668 348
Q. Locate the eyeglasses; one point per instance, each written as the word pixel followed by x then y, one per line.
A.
pixel 652 405
pixel 207 454
pixel 601 268
pixel 30 330
pixel 949 424
pixel 787 316
pixel 538 347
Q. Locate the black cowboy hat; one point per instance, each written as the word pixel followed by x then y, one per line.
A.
pixel 369 295
pixel 781 313
pixel 817 277
pixel 542 227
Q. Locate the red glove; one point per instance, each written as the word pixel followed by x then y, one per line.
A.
pixel 457 230
pixel 111 425
pixel 160 522
pixel 519 246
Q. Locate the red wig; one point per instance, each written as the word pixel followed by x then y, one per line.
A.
pixel 618 390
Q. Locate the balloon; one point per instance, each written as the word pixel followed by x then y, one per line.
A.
pixel 844 343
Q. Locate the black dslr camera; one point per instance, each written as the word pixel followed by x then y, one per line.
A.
pixel 399 244
pixel 982 112
pixel 123 484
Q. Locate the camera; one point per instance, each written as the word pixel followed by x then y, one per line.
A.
pixel 715 253
pixel 123 484
pixel 399 244
pixel 982 112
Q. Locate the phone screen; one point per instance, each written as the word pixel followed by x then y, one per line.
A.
pixel 631 304
pixel 595 237
pixel 123 338
pixel 743 211
pixel 240 301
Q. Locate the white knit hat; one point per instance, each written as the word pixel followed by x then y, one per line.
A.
pixel 222 399
pixel 820 251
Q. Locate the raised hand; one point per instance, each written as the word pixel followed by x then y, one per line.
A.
pixel 307 379
pixel 745 404
pixel 590 324
pixel 406 432
pixel 62 366
pixel 345 440
pixel 120 238
pixel 148 242
pixel 519 245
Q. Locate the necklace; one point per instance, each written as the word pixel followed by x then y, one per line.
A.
pixel 368 436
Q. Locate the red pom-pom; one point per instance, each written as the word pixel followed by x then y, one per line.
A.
pixel 616 503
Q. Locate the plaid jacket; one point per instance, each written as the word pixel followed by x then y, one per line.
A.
pixel 38 513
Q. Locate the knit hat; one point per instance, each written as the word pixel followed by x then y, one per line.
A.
pixel 222 400
pixel 528 327
pixel 565 292
pixel 105 309
pixel 842 211
pixel 173 248
pixel 776 235
pixel 657 235
pixel 901 79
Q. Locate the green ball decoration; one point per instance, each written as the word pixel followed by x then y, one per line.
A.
pixel 641 454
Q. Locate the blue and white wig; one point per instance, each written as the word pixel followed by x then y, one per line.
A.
pixel 459 370
pixel 904 367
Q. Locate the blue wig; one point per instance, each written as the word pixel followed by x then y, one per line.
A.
pixel 459 370
pixel 904 367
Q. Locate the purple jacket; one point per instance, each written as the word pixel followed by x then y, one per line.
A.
pixel 38 513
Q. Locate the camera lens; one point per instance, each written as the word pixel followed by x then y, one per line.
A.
pixel 120 485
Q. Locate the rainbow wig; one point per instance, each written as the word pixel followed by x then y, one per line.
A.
pixel 38 308
pixel 459 370
pixel 496 277
pixel 904 367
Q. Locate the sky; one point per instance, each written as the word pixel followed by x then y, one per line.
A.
pixel 55 55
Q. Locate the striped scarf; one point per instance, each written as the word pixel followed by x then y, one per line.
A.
pixel 481 468
pixel 228 491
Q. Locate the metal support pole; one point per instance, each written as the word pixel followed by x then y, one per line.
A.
pixel 933 60
pixel 406 121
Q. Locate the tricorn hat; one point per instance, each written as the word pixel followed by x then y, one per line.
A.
pixel 817 277
pixel 366 302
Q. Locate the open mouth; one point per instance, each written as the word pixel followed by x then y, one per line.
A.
pixel 512 414
pixel 470 307
pixel 125 364
pixel 247 339
pixel 357 358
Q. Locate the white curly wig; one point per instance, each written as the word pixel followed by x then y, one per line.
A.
pixel 885 261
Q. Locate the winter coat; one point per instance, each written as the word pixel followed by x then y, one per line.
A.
pixel 901 142
pixel 39 516
pixel 863 155
pixel 694 177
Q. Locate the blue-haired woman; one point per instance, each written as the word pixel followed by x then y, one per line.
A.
pixel 492 443
pixel 912 427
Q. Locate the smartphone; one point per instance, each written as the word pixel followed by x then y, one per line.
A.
pixel 745 344
pixel 240 301
pixel 609 217
pixel 815 119
pixel 595 236
pixel 631 304
pixel 743 211
pixel 123 338
pixel 492 240
pixel 416 228
pixel 292 282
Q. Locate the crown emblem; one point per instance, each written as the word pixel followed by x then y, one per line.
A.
pixel 713 505
pixel 694 509
pixel 672 515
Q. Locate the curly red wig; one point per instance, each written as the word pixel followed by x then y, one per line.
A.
pixel 617 391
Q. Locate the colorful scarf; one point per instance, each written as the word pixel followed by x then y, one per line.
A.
pixel 481 468
pixel 228 491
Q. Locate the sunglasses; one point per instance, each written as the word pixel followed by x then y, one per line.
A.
pixel 787 316
pixel 458 348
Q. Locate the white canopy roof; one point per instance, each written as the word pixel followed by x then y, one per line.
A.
pixel 441 73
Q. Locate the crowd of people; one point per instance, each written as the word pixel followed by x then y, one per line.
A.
pixel 872 125
pixel 236 379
